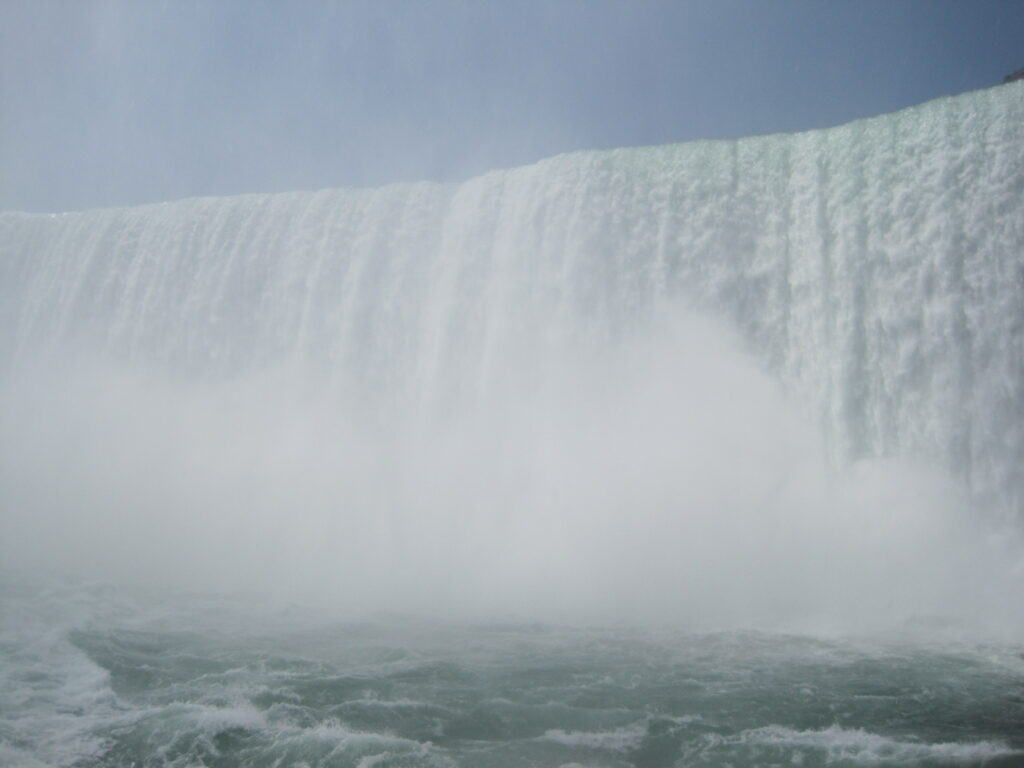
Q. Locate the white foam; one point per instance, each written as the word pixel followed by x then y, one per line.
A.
pixel 397 704
pixel 866 748
pixel 52 696
pixel 617 740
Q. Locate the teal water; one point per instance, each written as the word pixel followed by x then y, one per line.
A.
pixel 91 679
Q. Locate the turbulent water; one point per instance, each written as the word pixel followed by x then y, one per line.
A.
pixel 93 680
pixel 428 457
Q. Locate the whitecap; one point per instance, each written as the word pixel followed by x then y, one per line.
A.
pixel 617 740
pixel 867 748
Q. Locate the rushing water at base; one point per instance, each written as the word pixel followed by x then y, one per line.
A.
pixel 90 678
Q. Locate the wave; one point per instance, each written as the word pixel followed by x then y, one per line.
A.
pixel 866 748
pixel 617 740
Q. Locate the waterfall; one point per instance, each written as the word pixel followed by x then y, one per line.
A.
pixel 877 269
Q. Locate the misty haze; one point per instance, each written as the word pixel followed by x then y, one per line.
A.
pixel 532 384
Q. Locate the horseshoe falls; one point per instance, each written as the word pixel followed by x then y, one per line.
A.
pixel 702 454
pixel 875 269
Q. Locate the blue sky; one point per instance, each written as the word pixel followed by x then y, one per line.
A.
pixel 130 101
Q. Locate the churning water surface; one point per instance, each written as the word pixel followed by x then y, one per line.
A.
pixel 92 678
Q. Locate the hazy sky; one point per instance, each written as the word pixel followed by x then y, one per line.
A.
pixel 129 101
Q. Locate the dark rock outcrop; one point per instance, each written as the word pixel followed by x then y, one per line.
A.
pixel 1018 75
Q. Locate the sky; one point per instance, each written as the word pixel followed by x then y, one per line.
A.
pixel 120 102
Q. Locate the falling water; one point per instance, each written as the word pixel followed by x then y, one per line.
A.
pixel 874 268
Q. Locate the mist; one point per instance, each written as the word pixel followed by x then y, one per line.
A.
pixel 632 386
pixel 667 480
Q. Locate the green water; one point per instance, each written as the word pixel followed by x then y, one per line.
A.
pixel 214 686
